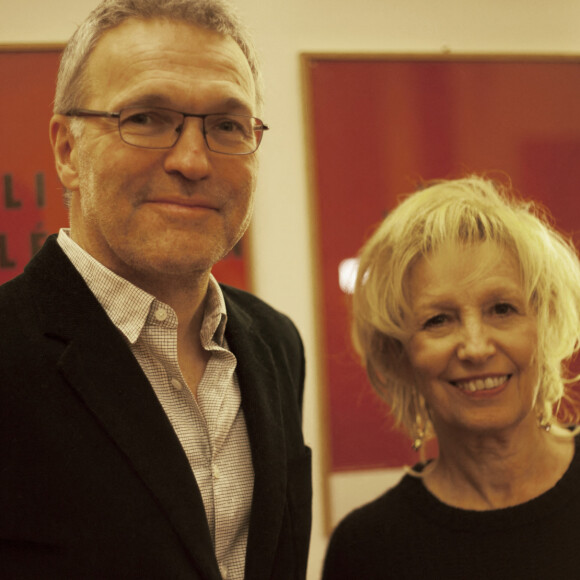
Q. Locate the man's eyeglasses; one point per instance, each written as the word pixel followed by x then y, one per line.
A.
pixel 157 128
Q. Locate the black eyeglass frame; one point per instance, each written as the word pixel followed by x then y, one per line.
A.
pixel 260 125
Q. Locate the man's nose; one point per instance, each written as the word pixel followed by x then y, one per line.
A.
pixel 190 155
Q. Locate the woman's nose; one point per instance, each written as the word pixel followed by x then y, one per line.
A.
pixel 475 342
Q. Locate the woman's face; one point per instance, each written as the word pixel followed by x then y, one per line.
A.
pixel 473 340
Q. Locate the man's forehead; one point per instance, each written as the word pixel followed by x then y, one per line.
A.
pixel 168 52
pixel 138 34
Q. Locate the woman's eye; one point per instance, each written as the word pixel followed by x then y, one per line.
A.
pixel 503 308
pixel 436 321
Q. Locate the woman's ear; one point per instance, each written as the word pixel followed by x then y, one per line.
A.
pixel 65 152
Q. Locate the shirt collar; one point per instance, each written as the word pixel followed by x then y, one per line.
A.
pixel 127 305
pixel 215 316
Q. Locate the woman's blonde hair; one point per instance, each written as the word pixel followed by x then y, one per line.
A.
pixel 463 212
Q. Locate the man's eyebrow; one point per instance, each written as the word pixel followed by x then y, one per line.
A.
pixel 229 104
pixel 150 100
pixel 234 103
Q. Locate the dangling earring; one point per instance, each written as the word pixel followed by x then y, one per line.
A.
pixel 418 434
pixel 420 421
pixel 418 440
pixel 545 424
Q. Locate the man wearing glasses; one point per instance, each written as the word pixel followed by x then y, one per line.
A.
pixel 150 418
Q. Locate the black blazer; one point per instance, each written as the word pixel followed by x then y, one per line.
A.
pixel 93 480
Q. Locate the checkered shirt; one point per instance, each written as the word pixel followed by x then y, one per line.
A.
pixel 211 429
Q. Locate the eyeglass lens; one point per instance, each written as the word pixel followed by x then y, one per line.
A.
pixel 161 128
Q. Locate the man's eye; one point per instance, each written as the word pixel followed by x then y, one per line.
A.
pixel 231 126
pixel 148 118
pixel 143 118
pixel 228 126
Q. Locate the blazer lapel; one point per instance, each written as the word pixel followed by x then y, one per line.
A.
pixel 98 365
pixel 259 384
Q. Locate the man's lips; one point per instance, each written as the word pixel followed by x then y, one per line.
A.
pixel 183 203
pixel 473 385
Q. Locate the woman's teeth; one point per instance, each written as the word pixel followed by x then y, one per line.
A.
pixel 481 384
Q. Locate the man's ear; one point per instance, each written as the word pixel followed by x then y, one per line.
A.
pixel 65 152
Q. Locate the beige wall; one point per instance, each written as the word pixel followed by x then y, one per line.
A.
pixel 282 246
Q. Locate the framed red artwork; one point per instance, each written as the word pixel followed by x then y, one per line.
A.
pixel 31 200
pixel 378 125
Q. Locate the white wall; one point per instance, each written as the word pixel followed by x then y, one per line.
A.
pixel 282 245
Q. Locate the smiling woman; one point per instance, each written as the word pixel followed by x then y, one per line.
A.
pixel 473 341
pixel 466 310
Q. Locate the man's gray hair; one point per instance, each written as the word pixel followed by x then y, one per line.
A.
pixel 216 15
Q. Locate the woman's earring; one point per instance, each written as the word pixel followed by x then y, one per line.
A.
pixel 418 440
pixel 545 424
pixel 421 420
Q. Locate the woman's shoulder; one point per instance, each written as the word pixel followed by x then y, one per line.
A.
pixel 381 513
pixel 376 535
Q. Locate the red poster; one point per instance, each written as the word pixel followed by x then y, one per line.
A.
pixel 31 204
pixel 381 125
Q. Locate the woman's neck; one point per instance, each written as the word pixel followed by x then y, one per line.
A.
pixel 484 472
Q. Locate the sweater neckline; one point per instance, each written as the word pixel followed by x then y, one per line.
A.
pixel 532 511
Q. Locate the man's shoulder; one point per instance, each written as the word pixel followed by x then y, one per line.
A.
pixel 48 291
pixel 243 301
pixel 247 311
pixel 45 267
pixel 13 292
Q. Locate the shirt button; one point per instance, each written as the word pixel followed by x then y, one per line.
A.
pixel 176 384
pixel 161 314
pixel 215 471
